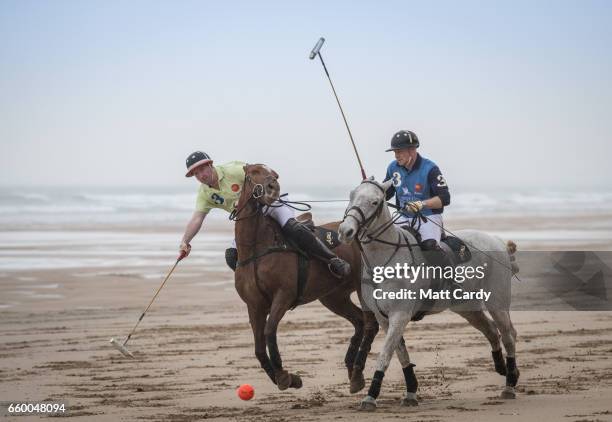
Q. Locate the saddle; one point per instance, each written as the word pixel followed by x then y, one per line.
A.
pixel 458 253
pixel 454 247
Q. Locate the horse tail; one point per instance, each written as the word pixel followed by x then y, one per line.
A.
pixel 511 249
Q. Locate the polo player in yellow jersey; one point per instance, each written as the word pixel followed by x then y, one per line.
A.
pixel 220 188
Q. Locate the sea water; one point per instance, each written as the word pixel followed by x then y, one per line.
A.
pixel 72 227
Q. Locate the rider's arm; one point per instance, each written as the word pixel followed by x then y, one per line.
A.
pixel 433 203
pixel 439 190
pixel 193 227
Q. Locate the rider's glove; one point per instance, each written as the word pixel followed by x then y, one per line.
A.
pixel 414 206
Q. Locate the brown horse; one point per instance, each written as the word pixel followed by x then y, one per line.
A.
pixel 266 280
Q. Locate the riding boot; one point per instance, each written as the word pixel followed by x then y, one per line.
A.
pixel 437 257
pixel 306 240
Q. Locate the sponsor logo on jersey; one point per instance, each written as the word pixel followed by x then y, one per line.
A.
pixel 235 187
pixel 418 187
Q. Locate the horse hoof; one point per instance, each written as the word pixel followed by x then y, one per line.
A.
pixel 283 380
pixel 409 400
pixel 508 393
pixel 357 382
pixel 296 381
pixel 368 404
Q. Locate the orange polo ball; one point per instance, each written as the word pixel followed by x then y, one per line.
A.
pixel 245 392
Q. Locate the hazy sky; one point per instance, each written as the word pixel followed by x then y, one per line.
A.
pixel 119 93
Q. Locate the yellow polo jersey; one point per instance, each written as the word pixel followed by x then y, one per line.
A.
pixel 231 178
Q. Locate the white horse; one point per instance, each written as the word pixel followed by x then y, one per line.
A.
pixel 368 220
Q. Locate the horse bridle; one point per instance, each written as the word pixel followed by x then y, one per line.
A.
pixel 364 223
pixel 258 190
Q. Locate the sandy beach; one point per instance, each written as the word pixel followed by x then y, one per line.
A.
pixel 195 347
pixel 132 130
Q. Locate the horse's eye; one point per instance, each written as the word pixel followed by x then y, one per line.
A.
pixel 375 203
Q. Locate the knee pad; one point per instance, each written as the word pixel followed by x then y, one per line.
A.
pixel 231 257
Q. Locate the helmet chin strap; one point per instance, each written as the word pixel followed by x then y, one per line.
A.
pixel 409 161
pixel 215 178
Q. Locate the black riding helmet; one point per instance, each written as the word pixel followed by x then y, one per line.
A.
pixel 196 159
pixel 404 139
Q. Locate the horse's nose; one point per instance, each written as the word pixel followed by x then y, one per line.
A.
pixel 348 234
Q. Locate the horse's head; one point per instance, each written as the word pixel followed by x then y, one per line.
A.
pixel 365 205
pixel 260 183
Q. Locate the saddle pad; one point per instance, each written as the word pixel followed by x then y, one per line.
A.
pixel 329 237
pixel 460 252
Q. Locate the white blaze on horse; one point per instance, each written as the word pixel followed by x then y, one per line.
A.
pixel 369 221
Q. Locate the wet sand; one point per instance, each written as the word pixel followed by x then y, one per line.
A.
pixel 195 347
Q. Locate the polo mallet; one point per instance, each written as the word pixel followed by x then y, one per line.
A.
pixel 316 51
pixel 122 346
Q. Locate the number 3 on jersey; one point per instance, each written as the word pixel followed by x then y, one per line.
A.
pixel 397 179
pixel 217 199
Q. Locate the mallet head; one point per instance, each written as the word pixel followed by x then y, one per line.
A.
pixel 316 48
pixel 124 351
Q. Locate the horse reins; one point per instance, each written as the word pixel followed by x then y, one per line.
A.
pixel 257 192
pixel 364 223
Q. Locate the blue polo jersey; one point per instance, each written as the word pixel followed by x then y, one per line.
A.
pixel 423 181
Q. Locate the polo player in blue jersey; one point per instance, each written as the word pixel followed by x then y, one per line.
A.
pixel 418 186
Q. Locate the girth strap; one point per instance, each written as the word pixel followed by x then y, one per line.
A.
pixel 272 249
pixel 302 268
pixel 302 277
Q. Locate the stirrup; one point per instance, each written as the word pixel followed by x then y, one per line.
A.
pixel 339 267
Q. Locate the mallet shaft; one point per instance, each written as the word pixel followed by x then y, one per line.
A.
pixel 363 174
